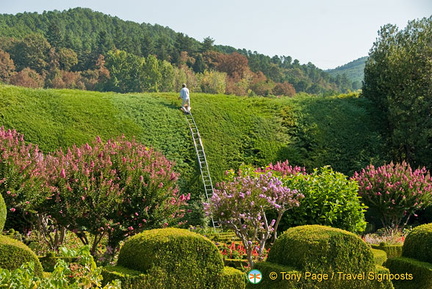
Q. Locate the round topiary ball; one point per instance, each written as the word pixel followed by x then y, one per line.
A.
pixel 315 248
pixel 183 256
pixel 3 213
pixel 14 253
pixel 418 243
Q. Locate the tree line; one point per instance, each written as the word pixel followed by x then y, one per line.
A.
pixel 80 48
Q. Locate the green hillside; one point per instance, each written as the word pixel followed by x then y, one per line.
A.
pixel 310 131
pixel 353 70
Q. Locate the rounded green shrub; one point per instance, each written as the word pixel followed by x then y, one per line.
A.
pixel 3 213
pixel 178 254
pixel 14 253
pixel 418 243
pixel 315 248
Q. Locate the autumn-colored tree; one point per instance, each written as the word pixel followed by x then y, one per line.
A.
pixel 284 89
pixel 7 67
pixel 27 78
pixel 261 85
pixel 235 65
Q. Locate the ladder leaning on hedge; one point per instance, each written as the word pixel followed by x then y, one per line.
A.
pixel 202 160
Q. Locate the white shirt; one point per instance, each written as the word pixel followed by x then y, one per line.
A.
pixel 184 93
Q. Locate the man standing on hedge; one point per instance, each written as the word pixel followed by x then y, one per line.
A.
pixel 184 95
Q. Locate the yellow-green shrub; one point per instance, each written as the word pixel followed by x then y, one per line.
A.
pixel 14 253
pixel 3 213
pixel 172 258
pixel 341 257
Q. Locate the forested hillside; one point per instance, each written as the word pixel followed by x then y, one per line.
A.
pixel 81 48
pixel 354 71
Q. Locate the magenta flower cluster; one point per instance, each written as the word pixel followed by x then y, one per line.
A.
pixel 395 191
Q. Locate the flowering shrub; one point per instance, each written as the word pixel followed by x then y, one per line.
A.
pixel 22 182
pixel 395 191
pixel 242 204
pixel 113 189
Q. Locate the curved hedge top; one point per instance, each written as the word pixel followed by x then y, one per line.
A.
pixel 418 243
pixel 176 251
pixel 14 253
pixel 316 248
pixel 3 213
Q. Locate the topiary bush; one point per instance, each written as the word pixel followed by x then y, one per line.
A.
pixel 320 248
pixel 415 264
pixel 323 257
pixel 14 253
pixel 418 244
pixel 3 213
pixel 172 258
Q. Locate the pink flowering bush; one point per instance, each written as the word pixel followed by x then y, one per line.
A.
pixel 111 189
pixel 395 192
pixel 242 204
pixel 22 180
pixel 115 189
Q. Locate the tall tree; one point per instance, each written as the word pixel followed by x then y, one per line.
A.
pixel 398 79
pixel 7 66
pixel 33 52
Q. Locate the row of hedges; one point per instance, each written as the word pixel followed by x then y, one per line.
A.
pixel 310 131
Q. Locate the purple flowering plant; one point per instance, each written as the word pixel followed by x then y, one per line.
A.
pixel 242 204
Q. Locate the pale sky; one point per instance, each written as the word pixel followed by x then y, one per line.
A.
pixel 327 33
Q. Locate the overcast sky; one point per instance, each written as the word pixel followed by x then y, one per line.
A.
pixel 328 33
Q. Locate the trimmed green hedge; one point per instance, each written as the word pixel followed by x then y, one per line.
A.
pixel 321 249
pixel 415 265
pixel 416 274
pixel 391 250
pixel 380 256
pixel 14 253
pixel 316 256
pixel 418 243
pixel 3 213
pixel 172 258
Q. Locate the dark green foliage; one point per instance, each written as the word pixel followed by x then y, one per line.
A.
pixel 342 131
pixel 416 260
pixel 397 80
pixel 391 250
pixel 416 274
pixel 172 258
pixel 14 253
pixel 314 249
pixel 3 213
pixel 418 243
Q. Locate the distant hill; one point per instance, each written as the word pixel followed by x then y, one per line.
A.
pixel 354 71
pixel 64 48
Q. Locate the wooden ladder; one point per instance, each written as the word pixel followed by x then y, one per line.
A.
pixel 202 160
